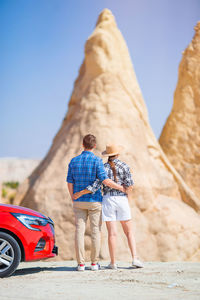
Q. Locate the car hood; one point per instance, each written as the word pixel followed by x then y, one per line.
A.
pixel 20 209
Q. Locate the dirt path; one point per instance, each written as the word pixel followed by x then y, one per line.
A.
pixel 59 280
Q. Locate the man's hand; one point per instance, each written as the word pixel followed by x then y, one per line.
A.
pixel 127 189
pixel 123 189
pixel 114 185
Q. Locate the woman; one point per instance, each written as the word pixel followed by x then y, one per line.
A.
pixel 115 205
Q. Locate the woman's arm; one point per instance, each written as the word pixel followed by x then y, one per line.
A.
pixel 81 193
pixel 96 185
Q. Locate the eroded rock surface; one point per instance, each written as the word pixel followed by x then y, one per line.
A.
pixel 180 138
pixel 107 102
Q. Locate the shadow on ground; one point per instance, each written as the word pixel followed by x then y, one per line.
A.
pixel 27 271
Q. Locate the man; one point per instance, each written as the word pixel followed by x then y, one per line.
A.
pixel 83 170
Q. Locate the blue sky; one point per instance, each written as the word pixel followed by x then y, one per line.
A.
pixel 42 48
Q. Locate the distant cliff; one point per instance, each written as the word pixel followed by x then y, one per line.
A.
pixel 16 169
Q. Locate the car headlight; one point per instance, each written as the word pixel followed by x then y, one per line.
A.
pixel 28 221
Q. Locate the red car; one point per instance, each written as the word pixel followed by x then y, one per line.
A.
pixel 25 235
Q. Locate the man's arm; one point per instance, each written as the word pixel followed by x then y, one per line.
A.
pixel 113 185
pixel 128 180
pixel 70 189
pixel 103 177
pixel 128 191
pixel 128 188
pixel 70 181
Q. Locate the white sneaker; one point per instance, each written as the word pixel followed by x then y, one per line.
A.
pixel 95 267
pixel 112 266
pixel 81 267
pixel 137 263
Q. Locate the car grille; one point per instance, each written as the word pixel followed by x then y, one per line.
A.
pixel 40 245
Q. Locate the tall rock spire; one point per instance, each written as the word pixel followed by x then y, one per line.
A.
pixel 107 102
pixel 180 138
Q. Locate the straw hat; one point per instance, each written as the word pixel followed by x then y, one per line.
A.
pixel 112 150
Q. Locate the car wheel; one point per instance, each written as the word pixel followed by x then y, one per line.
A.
pixel 10 254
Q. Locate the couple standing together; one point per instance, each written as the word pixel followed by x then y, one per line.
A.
pixel 86 174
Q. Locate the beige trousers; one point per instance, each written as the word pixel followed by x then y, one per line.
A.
pixel 82 211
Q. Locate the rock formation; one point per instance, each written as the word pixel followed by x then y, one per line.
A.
pixel 180 138
pixel 107 102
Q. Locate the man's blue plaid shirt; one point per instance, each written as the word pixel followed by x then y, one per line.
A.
pixel 83 170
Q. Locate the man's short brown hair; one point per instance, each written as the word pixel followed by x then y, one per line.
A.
pixel 89 141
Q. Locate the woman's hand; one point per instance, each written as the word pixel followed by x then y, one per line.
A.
pixel 81 193
pixel 77 195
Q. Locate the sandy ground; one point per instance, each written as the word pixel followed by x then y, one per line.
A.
pixel 60 280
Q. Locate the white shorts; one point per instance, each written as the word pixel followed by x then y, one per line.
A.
pixel 115 208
